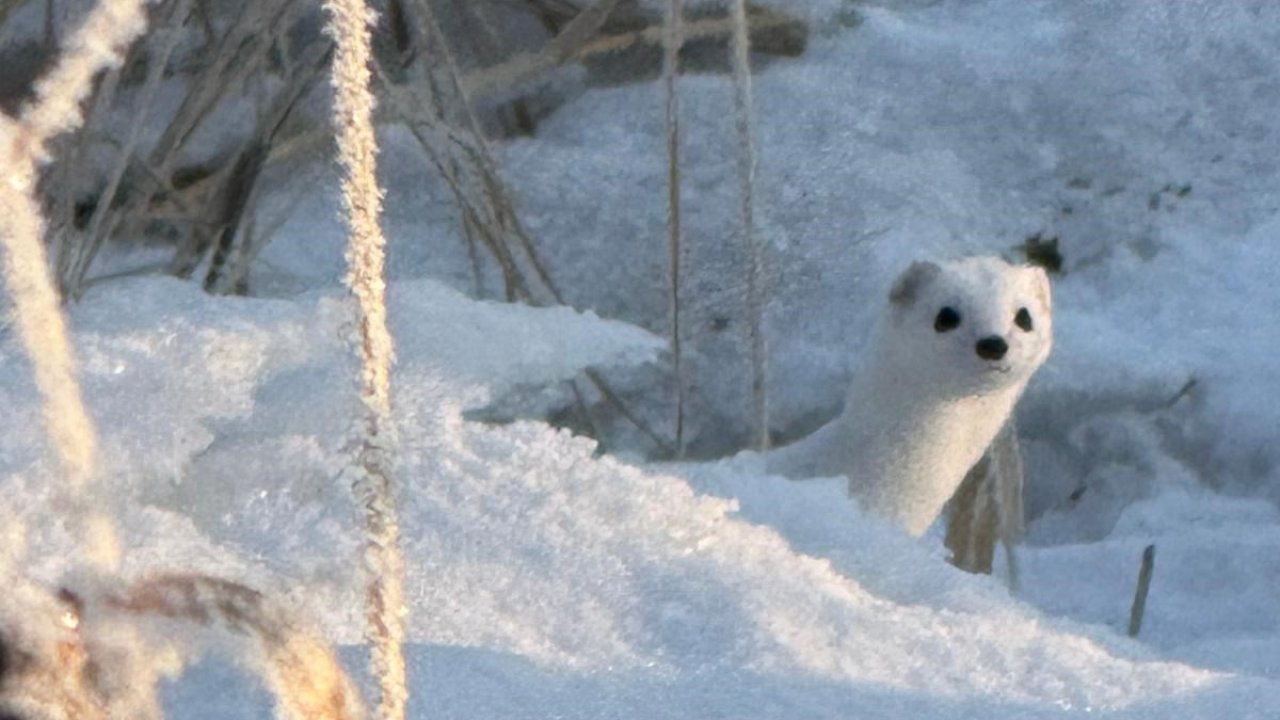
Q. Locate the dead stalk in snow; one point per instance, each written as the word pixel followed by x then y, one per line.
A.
pixel 297 666
pixel 1139 607
pixel 56 645
pixel 362 200
pixel 673 39
pixel 99 43
pixel 743 102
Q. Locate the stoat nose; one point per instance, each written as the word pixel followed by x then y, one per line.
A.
pixel 992 348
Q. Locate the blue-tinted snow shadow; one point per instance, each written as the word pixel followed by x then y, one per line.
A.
pixel 465 683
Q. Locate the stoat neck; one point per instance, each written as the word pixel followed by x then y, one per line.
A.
pixel 905 450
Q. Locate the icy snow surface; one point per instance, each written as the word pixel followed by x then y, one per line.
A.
pixel 546 580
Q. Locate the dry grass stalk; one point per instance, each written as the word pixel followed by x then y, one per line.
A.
pixel 205 200
pixel 229 264
pixel 520 69
pixel 512 244
pixel 100 42
pixel 760 22
pixel 72 276
pixel 987 508
pixel 73 157
pixel 46 664
pixel 210 201
pixel 566 45
pixel 6 7
pixel 362 200
pixel 1139 608
pixel 471 171
pixel 239 52
pixel 743 103
pixel 99 652
pixel 299 668
pixel 445 150
pixel 674 39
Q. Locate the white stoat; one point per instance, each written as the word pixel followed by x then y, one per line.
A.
pixel 954 349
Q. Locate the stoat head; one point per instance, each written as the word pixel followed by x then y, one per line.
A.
pixel 967 327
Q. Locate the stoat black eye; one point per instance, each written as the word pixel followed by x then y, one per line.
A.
pixel 1023 320
pixel 948 319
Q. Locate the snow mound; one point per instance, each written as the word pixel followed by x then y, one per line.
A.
pixel 529 557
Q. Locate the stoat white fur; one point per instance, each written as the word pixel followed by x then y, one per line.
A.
pixel 953 352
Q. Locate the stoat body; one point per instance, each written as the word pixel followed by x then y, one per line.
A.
pixel 953 351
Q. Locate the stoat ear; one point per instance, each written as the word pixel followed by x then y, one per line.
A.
pixel 909 283
pixel 1040 285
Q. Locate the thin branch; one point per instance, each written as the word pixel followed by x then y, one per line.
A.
pixel 95 236
pixel 1139 607
pixel 563 47
pixel 670 71
pixel 743 103
pixel 521 69
pixel 496 215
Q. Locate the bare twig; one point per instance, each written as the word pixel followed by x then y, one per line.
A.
pixel 1139 607
pixel 475 151
pixel 73 278
pixel 469 168
pixel 743 102
pixel 238 54
pixel 426 125
pixel 229 266
pixel 670 70
pixel 63 229
pixel 520 69
pixel 6 7
pixel 612 397
pixel 563 47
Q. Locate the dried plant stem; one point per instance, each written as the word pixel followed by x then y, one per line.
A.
pixel 570 48
pixel 479 159
pixel 98 43
pixel 362 200
pixel 6 7
pixel 1139 607
pixel 299 667
pixel 693 29
pixel 670 70
pixel 470 170
pixel 63 241
pixel 441 145
pixel 73 278
pixel 987 508
pixel 563 47
pixel 244 39
pixel 743 103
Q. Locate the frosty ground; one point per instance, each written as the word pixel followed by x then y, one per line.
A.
pixel 549 580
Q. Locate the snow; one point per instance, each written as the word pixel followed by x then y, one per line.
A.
pixel 548 579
